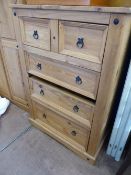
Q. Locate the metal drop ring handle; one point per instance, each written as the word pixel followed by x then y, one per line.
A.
pixel 44 116
pixel 76 108
pixel 80 43
pixel 73 133
pixel 78 80
pixel 39 66
pixel 42 92
pixel 35 35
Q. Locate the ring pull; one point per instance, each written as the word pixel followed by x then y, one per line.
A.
pixel 35 35
pixel 80 43
pixel 42 92
pixel 74 133
pixel 76 108
pixel 78 80
pixel 44 116
pixel 39 66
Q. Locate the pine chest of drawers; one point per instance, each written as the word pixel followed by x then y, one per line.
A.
pixel 73 58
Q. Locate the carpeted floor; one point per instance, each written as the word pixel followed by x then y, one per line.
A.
pixel 35 153
pixel 11 125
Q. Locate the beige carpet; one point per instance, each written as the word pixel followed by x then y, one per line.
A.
pixel 35 153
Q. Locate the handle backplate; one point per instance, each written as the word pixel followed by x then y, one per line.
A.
pixel 74 133
pixel 76 108
pixel 39 66
pixel 35 35
pixel 42 92
pixel 80 43
pixel 78 80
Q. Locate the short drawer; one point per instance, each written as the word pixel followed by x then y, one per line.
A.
pixel 36 32
pixel 82 40
pixel 82 81
pixel 74 106
pixel 69 129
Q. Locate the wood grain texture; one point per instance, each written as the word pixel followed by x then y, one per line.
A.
pixel 76 148
pixel 65 75
pixel 100 9
pixel 6 20
pixel 77 108
pixel 62 125
pixel 58 2
pixel 126 3
pixel 54 35
pixel 4 88
pixel 31 28
pixel 60 69
pixel 7 30
pixel 101 18
pixel 22 60
pixel 69 2
pixel 114 56
pixel 94 40
pixel 13 70
pixel 64 58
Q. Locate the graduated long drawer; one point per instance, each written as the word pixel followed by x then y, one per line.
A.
pixel 59 127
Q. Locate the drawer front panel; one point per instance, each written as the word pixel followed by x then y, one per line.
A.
pixel 36 32
pixel 82 40
pixel 64 126
pixel 84 82
pixel 62 100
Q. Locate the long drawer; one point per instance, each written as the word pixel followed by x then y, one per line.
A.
pixel 75 107
pixel 82 81
pixel 53 121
